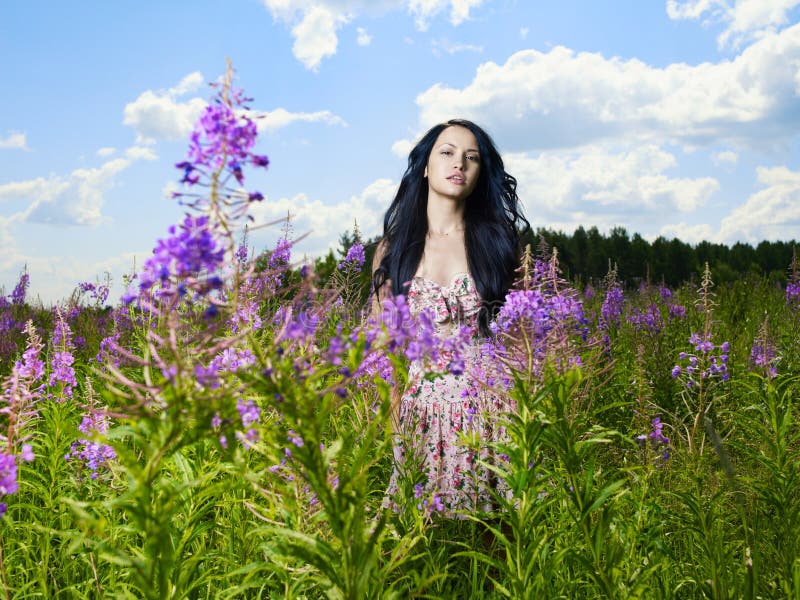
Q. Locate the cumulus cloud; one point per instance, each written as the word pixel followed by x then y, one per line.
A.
pixel 278 118
pixel 598 186
pixel 315 36
pixel 745 19
pixel 53 278
pixel 364 38
pixel 81 202
pixel 425 10
pixel 162 115
pixel 445 45
pixel 325 222
pixel 106 151
pixel 563 98
pixel 40 189
pixel 74 199
pixel 14 141
pixel 691 234
pixel 315 23
pixel 725 157
pixel 771 213
pixel 141 153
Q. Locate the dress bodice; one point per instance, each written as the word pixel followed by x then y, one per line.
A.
pixel 455 304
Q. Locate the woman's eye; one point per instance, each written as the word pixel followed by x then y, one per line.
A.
pixel 446 152
pixel 473 157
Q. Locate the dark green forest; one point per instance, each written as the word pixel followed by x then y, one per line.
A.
pixel 587 255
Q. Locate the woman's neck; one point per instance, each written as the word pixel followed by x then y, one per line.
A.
pixel 445 218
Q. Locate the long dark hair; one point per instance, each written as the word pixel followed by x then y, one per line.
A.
pixel 493 224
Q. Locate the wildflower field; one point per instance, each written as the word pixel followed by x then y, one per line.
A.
pixel 225 430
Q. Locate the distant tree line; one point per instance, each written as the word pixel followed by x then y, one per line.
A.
pixel 586 255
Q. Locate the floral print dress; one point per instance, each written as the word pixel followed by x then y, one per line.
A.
pixel 439 409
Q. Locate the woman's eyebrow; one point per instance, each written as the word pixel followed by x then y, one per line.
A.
pixel 453 146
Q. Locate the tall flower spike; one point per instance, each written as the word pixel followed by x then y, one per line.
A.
pixel 62 373
pixel 21 289
pixel 763 355
pixel 793 285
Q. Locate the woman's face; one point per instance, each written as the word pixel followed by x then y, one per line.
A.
pixel 454 164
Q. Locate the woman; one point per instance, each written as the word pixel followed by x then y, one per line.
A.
pixel 451 243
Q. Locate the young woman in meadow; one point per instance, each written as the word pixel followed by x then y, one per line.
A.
pixel 451 245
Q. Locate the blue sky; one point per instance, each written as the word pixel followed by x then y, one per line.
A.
pixel 667 117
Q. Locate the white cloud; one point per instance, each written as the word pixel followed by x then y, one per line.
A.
pixel 594 185
pixel 725 156
pixel 278 118
pixel 561 98
pixel 53 278
pixel 402 148
pixel 746 19
pixel 315 23
pixel 771 213
pixel 326 222
pixel 364 38
pixel 106 151
pixel 691 234
pixel 14 141
pixel 161 115
pixel 141 153
pixel 424 11
pixel 40 189
pixel 523 32
pixel 445 45
pixel 75 199
pixel 315 36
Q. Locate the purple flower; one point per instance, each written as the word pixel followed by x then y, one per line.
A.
pixel 220 137
pixel 30 366
pixel 374 365
pixel 282 255
pixel 611 311
pixel 295 439
pixel 249 412
pixel 354 259
pixel 8 474
pixel 231 360
pixel 20 290
pixel 676 311
pixel 62 371
pixel 260 161
pixel 649 321
pixel 763 355
pixel 91 454
pixel 710 361
pixel 298 326
pixel 793 292
pixel 27 453
pixel 656 440
pixel 191 249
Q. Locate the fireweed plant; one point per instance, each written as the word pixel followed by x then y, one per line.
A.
pixel 226 430
pixel 703 369
pixel 210 378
